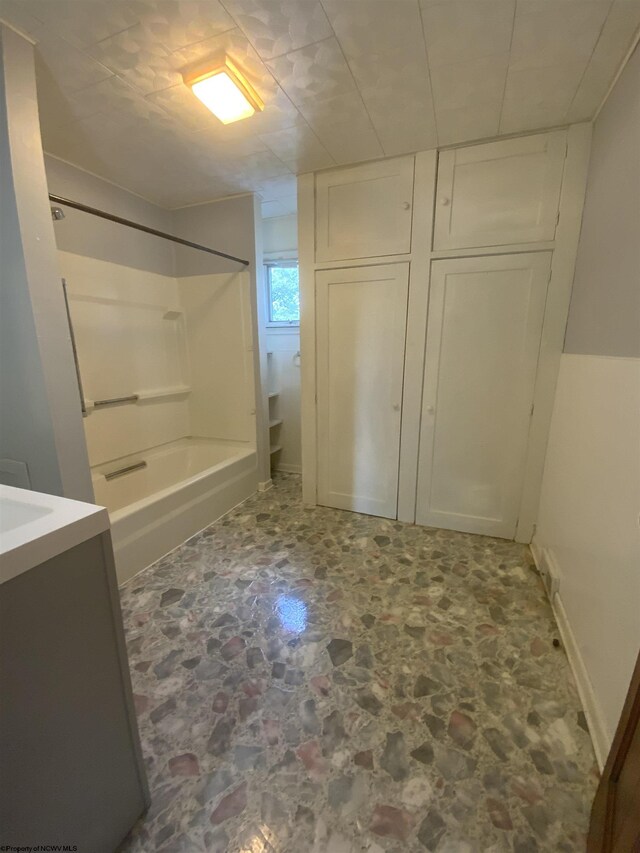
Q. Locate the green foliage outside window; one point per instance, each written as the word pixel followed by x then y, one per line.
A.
pixel 284 294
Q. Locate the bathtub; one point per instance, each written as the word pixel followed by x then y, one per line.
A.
pixel 184 486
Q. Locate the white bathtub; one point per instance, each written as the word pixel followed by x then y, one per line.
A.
pixel 186 485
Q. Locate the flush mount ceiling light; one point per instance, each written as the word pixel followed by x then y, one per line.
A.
pixel 225 91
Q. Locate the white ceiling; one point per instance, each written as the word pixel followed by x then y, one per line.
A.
pixel 342 80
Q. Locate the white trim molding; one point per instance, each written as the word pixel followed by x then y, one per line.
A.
pixel 597 728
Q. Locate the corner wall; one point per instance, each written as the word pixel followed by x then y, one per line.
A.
pixel 587 529
pixel 41 435
pixel 233 226
pixel 82 234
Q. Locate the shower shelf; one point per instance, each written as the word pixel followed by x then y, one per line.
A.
pixel 175 391
pixel 274 423
pixel 142 396
pixel 273 394
pixel 275 449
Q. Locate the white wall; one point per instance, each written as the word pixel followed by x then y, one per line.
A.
pixel 40 421
pixel 219 342
pixel 83 234
pixel 588 520
pixel 280 236
pixel 233 226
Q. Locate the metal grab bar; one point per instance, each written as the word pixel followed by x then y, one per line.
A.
pixel 126 470
pixel 132 398
pixel 74 348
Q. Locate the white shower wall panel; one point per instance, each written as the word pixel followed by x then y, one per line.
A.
pixel 130 338
pixel 217 315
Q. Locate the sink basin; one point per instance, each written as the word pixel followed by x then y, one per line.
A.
pixel 14 514
pixel 35 527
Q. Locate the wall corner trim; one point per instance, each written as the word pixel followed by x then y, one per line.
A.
pixel 599 737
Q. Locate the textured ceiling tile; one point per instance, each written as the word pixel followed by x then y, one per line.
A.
pixel 404 137
pixel 384 46
pixel 71 69
pixel 381 40
pixel 310 162
pixel 135 56
pixel 403 116
pixel 294 143
pixel 276 27
pixel 280 207
pixel 539 97
pixel 83 23
pixel 20 17
pixel 112 94
pixel 468 123
pixel 216 144
pixel 379 27
pixel 316 71
pixel 182 105
pixel 462 31
pixel 324 112
pixel 555 33
pixel 277 188
pixel 614 42
pixel 178 24
pixel 168 147
pixel 279 114
pixel 149 66
pixel 351 141
pixel 469 84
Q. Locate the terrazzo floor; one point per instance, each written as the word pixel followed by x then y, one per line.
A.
pixel 318 680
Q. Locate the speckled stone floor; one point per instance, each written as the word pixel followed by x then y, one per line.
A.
pixel 317 680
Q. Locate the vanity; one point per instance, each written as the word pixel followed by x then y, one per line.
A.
pixel 72 770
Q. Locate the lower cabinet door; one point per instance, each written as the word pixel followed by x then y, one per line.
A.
pixel 361 316
pixel 483 337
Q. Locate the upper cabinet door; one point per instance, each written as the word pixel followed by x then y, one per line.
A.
pixel 364 211
pixel 500 193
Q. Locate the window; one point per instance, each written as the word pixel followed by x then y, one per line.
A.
pixel 283 293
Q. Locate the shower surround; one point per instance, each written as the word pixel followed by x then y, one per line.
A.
pixel 318 680
pixel 167 372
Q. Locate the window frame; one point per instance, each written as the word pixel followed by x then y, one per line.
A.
pixel 269 264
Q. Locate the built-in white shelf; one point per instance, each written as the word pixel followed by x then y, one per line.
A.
pixel 275 448
pixel 273 395
pixel 275 422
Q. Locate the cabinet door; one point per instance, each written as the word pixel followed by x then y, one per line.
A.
pixel 483 338
pixel 500 193
pixel 364 211
pixel 360 325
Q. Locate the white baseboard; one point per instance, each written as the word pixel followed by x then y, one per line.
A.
pixel 597 730
pixel 288 468
pixel 265 485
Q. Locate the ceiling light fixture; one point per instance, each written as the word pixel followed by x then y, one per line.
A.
pixel 225 91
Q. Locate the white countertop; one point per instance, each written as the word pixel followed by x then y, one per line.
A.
pixel 35 527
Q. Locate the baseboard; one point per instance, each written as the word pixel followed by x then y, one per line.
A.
pixel 597 729
pixel 288 468
pixel 265 485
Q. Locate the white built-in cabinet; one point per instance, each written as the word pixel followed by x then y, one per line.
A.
pixel 500 193
pixel 483 337
pixel 364 211
pixel 360 385
pixel 435 290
